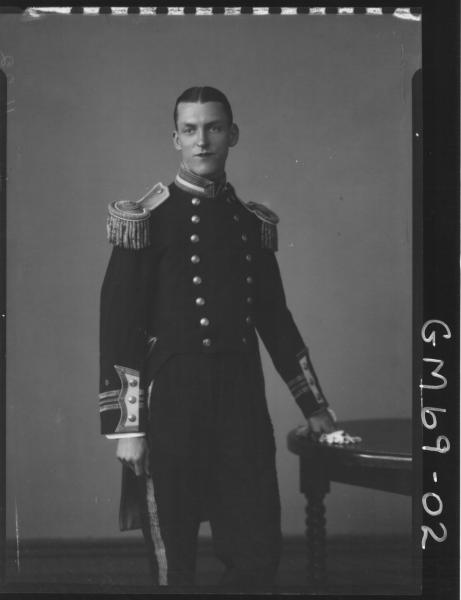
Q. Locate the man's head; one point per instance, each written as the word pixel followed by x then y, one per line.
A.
pixel 204 130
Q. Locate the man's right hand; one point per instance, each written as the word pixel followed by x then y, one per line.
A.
pixel 133 452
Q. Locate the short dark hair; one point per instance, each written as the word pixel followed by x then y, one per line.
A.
pixel 203 94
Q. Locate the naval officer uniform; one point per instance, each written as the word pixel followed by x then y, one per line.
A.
pixel 191 281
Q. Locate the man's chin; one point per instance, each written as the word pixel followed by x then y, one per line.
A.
pixel 206 168
pixel 206 172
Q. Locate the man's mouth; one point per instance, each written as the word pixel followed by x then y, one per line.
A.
pixel 203 154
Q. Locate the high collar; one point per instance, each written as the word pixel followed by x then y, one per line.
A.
pixel 200 186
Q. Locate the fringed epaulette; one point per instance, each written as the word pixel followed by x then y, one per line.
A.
pixel 269 220
pixel 128 221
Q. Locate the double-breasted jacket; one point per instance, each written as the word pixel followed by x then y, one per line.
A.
pixel 193 270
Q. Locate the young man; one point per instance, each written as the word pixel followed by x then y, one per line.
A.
pixel 191 278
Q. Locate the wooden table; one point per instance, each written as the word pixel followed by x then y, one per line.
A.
pixel 382 461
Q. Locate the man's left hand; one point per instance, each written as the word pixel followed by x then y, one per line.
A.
pixel 322 422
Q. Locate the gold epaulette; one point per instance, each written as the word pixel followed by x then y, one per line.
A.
pixel 269 220
pixel 128 221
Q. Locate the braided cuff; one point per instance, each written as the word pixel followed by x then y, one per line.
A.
pixel 123 410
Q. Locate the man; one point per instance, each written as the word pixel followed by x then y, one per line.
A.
pixel 191 278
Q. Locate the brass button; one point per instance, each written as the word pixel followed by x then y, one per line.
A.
pixel 194 238
pixel 131 418
pixel 133 382
pixel 244 340
pixel 195 219
pixel 236 218
pixel 249 279
pixel 248 320
pixel 206 342
pixel 249 300
pixel 200 301
pixel 195 258
pixel 197 280
pixel 195 201
pixel 132 399
pixel 244 237
pixel 248 257
pixel 204 322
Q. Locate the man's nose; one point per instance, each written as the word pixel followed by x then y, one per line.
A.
pixel 202 139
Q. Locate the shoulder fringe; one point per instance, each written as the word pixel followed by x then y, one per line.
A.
pixel 269 236
pixel 128 222
pixel 269 220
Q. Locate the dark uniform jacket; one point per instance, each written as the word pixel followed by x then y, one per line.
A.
pixel 192 270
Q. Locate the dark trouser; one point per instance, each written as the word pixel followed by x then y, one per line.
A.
pixel 212 457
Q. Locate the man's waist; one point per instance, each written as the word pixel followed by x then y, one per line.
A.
pixel 204 340
pixel 163 348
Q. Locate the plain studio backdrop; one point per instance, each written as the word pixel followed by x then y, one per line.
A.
pixel 324 109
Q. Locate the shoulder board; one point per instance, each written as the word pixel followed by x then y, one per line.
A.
pixel 269 220
pixel 154 197
pixel 262 212
pixel 128 221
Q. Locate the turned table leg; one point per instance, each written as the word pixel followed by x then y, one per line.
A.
pixel 315 485
pixel 316 538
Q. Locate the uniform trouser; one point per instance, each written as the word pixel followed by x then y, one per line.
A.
pixel 212 457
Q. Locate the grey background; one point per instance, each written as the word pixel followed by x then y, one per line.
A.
pixel 324 109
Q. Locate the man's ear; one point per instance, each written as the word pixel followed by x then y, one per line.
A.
pixel 234 134
pixel 176 140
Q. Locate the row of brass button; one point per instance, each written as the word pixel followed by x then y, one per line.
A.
pixel 197 280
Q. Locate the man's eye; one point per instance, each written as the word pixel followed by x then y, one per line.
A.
pixel 215 128
pixel 188 130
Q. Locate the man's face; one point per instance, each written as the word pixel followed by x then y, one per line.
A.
pixel 204 135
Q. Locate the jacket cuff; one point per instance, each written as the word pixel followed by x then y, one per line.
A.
pixel 305 387
pixel 123 410
pixel 304 395
pixel 308 371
